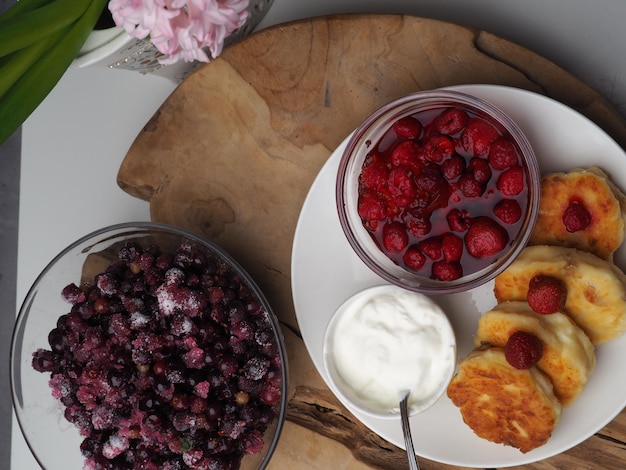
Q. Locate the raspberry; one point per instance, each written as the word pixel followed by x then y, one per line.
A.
pixel 429 181
pixel 407 127
pixel 546 294
pixel 511 181
pixel 371 207
pixel 480 170
pixel 452 247
pixel 401 187
pixel 447 271
pixel 450 121
pixel 485 237
pixel 523 350
pixel 407 153
pixel 508 211
pixel 395 237
pixel 576 217
pixel 502 154
pixel 374 175
pixel 431 247
pixel 413 258
pixel 418 225
pixel 453 167
pixel 437 148
pixel 477 137
pixel 458 220
pixel 469 186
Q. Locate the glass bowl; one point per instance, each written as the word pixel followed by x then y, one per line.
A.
pixel 420 216
pixel 134 371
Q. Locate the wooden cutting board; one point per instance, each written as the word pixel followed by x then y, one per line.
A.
pixel 233 151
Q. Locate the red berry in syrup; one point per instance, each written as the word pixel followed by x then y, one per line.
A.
pixel 453 167
pixel 372 207
pixel 450 121
pixel 511 181
pixel 407 127
pixel 452 247
pixel 485 237
pixel 419 225
pixel 502 154
pixel 437 148
pixel 477 137
pixel 374 175
pixel 480 170
pixel 508 211
pixel 458 220
pixel 446 270
pixel 401 187
pixel 469 186
pixel 431 247
pixel 546 294
pixel 395 237
pixel 523 350
pixel 413 258
pixel 407 153
pixel 576 217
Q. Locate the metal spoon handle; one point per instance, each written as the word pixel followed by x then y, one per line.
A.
pixel 406 430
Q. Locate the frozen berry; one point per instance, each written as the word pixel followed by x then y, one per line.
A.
pixel 395 237
pixel 485 237
pixel 576 217
pixel 407 127
pixel 477 137
pixel 546 294
pixel 502 154
pixel 523 350
pixel 511 181
pixel 450 121
pixel 508 211
pixel 447 271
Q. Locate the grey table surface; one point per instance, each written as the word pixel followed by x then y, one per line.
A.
pixel 585 38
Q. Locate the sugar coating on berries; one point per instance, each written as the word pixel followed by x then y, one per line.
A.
pixel 546 294
pixel 180 370
pixel 576 216
pixel 429 191
pixel 523 350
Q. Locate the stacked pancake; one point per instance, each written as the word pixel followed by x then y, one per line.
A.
pixel 521 407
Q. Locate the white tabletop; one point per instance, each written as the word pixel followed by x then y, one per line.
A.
pixel 73 144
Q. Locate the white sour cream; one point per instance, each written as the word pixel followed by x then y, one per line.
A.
pixel 386 340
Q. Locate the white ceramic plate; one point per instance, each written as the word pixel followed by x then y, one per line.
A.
pixel 325 272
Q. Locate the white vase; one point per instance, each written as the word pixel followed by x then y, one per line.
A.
pixel 116 49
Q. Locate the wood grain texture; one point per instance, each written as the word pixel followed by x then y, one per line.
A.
pixel 232 153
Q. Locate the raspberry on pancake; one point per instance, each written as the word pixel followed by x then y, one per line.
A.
pixel 581 209
pixel 596 289
pixel 568 357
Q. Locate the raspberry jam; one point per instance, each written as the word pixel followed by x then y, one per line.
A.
pixel 165 360
pixel 444 192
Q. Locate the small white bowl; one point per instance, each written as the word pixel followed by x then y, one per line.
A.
pixel 385 340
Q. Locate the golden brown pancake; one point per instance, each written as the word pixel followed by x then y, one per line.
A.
pixel 596 289
pixel 604 201
pixel 568 355
pixel 502 404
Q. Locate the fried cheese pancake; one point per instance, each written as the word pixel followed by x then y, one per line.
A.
pixel 603 200
pixel 596 289
pixel 503 404
pixel 568 356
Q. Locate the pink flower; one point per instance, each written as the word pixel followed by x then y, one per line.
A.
pixel 181 29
